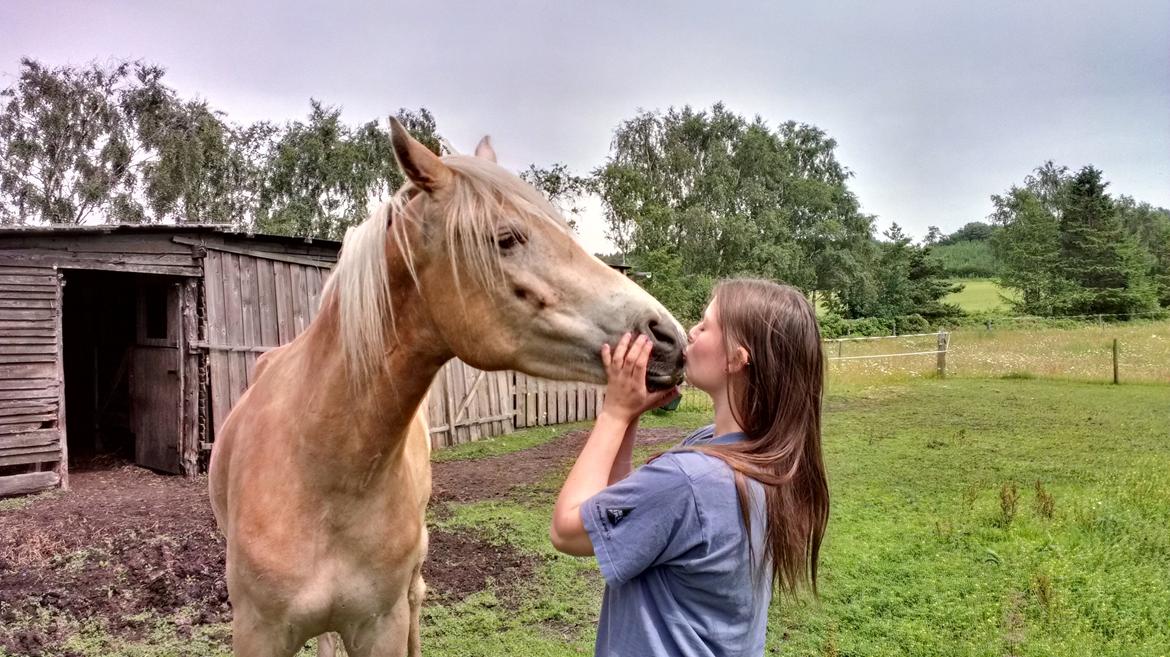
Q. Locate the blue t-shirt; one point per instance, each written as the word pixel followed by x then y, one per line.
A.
pixel 670 541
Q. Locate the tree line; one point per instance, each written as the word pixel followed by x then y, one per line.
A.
pixel 689 196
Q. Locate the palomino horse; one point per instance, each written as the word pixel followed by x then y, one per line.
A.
pixel 320 475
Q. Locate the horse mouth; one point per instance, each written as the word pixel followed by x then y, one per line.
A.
pixel 663 374
pixel 656 381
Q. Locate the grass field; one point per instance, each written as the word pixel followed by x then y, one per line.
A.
pixel 970 517
pixel 979 295
pixel 1081 353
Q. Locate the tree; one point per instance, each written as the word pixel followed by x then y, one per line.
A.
pixel 1151 227
pixel 933 236
pixel 64 142
pixel 1104 262
pixel 902 279
pixel 727 196
pixel 1028 247
pixel 564 190
pixel 323 174
pixel 973 231
pixel 1064 245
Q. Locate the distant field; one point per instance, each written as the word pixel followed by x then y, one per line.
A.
pixel 1083 353
pixel 979 295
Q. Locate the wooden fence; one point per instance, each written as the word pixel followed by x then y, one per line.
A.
pixel 466 404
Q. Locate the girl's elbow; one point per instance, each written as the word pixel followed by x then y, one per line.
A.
pixel 567 537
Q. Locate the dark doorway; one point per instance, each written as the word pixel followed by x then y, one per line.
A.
pixel 122 369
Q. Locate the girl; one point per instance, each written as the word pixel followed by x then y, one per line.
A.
pixel 691 543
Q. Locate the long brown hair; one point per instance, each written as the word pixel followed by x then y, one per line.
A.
pixel 777 402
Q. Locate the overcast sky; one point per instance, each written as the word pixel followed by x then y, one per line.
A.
pixel 935 105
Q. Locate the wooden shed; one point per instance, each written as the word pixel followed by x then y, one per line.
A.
pixel 135 342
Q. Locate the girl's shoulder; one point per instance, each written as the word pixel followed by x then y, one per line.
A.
pixel 702 434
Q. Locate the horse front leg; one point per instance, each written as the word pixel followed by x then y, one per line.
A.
pixel 253 635
pixel 415 596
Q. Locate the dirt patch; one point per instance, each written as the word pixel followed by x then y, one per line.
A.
pixel 459 564
pixel 499 476
pixel 125 541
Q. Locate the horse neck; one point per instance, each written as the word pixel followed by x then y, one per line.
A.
pixel 371 418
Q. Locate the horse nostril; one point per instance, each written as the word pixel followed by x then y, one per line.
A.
pixel 662 334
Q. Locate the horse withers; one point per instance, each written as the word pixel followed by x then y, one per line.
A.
pixel 320 476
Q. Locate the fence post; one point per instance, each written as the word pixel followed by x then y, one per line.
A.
pixel 941 365
pixel 1115 379
pixel 839 344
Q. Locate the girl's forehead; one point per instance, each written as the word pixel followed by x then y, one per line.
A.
pixel 711 309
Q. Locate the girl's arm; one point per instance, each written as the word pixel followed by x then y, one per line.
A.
pixel 623 465
pixel 626 398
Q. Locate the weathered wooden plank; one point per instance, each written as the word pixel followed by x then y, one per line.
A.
pixel 266 284
pixel 285 325
pixel 250 309
pixel 217 332
pixel 42 280
pixel 46 326
pixel 42 348
pixel 453 394
pixel 32 335
pixel 30 394
pixel 47 258
pixel 31 482
pixel 19 270
pixel 51 455
pixel 25 304
pixel 6 359
pixel 74 243
pixel 234 320
pixel 32 421
pixel 30 449
pixel 30 439
pixel 18 427
pixel 12 407
pixel 252 252
pixel 518 400
pixel 42 294
pixel 62 466
pixel 313 287
pixel 27 383
pixel 488 399
pixel 15 340
pixel 507 400
pixel 189 439
pixel 27 371
pixel 27 314
pixel 146 264
pixel 299 299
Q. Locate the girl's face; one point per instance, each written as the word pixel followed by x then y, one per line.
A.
pixel 706 365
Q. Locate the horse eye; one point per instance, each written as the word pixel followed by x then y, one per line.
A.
pixel 510 240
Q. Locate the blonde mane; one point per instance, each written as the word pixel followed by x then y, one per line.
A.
pixel 360 281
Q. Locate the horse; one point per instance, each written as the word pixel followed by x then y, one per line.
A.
pixel 320 475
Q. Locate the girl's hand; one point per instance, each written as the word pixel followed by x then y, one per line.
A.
pixel 626 396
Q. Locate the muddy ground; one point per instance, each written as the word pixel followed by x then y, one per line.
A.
pixel 125 540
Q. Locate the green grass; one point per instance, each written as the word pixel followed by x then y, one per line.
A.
pixel 979 295
pixel 920 558
pixel 1083 352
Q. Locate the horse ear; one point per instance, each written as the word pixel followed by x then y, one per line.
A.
pixel 420 165
pixel 485 150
